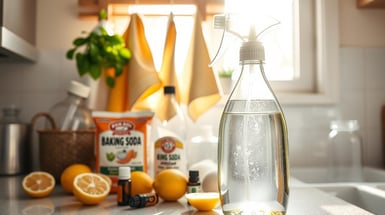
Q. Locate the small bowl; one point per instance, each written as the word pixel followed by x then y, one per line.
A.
pixel 203 201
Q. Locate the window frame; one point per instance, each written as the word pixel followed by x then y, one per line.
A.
pixel 326 37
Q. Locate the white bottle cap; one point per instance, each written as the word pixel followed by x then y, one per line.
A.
pixel 124 172
pixel 252 50
pixel 79 89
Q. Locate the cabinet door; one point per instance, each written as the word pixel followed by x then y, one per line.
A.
pixel 19 16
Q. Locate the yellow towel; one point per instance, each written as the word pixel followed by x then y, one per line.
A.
pixel 166 74
pixel 167 71
pixel 139 78
pixel 200 90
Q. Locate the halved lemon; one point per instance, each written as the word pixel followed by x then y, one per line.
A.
pixel 38 184
pixel 69 173
pixel 90 188
pixel 106 177
pixel 203 201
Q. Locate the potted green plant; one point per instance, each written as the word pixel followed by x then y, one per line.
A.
pixel 225 80
pixel 98 51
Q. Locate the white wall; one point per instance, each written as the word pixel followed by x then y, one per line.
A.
pixel 35 87
pixel 361 27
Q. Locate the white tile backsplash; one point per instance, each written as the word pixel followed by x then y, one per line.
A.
pixel 374 68
pixel 352 67
pixel 35 87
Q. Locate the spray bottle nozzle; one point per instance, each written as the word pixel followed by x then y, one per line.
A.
pixel 245 31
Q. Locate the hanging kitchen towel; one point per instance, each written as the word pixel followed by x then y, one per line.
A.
pixel 167 71
pixel 139 78
pixel 200 90
pixel 167 74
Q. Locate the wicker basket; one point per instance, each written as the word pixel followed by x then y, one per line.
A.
pixel 59 149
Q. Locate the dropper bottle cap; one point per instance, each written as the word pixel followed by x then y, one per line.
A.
pixel 169 89
pixel 194 176
pixel 124 173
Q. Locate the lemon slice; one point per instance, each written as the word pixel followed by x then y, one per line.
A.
pixel 203 201
pixel 90 188
pixel 38 184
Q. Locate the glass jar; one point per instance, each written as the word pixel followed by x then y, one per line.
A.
pixel 345 149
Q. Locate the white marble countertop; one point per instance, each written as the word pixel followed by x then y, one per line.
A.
pixel 303 200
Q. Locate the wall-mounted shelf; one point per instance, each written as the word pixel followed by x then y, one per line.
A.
pixel 371 4
pixel 91 8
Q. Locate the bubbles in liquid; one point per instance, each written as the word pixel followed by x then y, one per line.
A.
pixel 253 163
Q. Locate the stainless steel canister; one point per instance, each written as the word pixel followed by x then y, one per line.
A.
pixel 14 145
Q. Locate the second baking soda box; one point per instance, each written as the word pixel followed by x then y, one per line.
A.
pixel 121 140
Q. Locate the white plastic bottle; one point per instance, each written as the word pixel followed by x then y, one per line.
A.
pixel 72 113
pixel 253 142
pixel 169 134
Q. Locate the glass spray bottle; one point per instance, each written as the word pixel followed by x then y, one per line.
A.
pixel 253 144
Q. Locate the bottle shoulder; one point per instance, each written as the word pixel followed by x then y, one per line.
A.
pixel 252 106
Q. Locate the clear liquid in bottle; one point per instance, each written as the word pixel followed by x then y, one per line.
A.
pixel 253 178
pixel 253 149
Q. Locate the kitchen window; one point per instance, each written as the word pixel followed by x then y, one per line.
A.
pixel 304 46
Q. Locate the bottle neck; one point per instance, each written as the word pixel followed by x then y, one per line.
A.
pixel 73 98
pixel 252 83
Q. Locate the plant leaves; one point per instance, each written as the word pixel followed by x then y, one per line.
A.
pixel 110 81
pixel 70 53
pixel 118 69
pixel 82 64
pixel 125 54
pixel 102 14
pixel 101 51
pixel 79 41
pixel 95 71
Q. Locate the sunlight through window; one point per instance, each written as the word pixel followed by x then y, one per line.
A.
pixel 289 47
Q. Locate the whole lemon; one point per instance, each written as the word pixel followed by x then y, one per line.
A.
pixel 68 175
pixel 141 183
pixel 170 184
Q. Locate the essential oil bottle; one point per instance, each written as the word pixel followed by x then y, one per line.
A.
pixel 124 186
pixel 193 185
